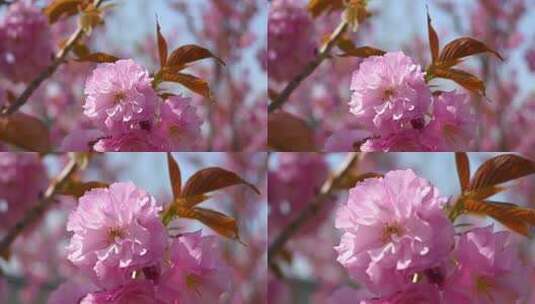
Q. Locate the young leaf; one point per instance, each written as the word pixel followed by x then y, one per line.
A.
pixel 501 169
pixel 162 46
pixel 483 193
pixel 217 221
pixel 516 218
pixel 98 58
pixel 174 175
pixel 81 50
pixel 191 201
pixel 180 57
pixel 90 18
pixel 465 79
pixel 25 131
pixel 287 132
pixel 433 39
pixel 77 188
pixel 318 7
pixel 57 8
pixel 363 52
pixel 212 179
pixel 463 169
pixel 191 82
pixel 351 180
pixel 463 47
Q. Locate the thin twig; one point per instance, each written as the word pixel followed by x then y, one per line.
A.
pixel 323 54
pixel 37 212
pixel 47 72
pixel 313 208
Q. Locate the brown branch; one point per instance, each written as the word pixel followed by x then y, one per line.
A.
pixel 323 54
pixel 48 71
pixel 313 209
pixel 39 210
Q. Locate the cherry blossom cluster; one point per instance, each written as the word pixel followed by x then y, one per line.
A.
pixel 22 182
pixel 130 116
pixel 398 111
pixel 399 244
pixel 289 39
pixel 25 48
pixel 121 246
pixel 294 183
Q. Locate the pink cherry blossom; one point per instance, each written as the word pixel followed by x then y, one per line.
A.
pixel 117 231
pixel 393 227
pixel 23 179
pixel 389 93
pixel 487 269
pixel 119 95
pixel 195 273
pixel 136 140
pixel 453 124
pixel 348 295
pixel 421 293
pixel 70 292
pixel 26 46
pixel 530 59
pixel 346 140
pixel 292 185
pixel 133 292
pixel 81 140
pixel 289 39
pixel 405 140
pixel 179 124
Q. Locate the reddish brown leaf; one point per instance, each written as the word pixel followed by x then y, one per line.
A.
pixel 483 193
pixel 162 46
pixel 81 50
pixel 98 58
pixel 463 169
pixel 287 132
pixel 217 221
pixel 191 201
pixel 212 179
pixel 349 49
pixel 463 47
pixel 465 79
pixel 319 7
pixel 25 131
pixel 501 169
pixel 58 8
pixel 516 218
pixel 350 180
pixel 186 54
pixel 174 175
pixel 433 39
pixel 77 188
pixel 363 52
pixel 191 82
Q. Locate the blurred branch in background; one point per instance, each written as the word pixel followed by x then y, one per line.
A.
pixel 328 190
pixel 35 214
pixel 324 53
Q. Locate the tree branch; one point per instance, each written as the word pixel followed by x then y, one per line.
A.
pixel 39 210
pixel 47 72
pixel 309 68
pixel 312 209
